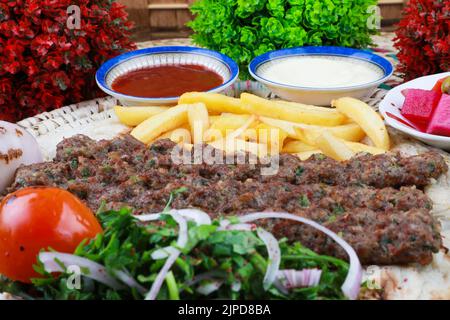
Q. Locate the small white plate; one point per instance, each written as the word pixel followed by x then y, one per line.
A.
pixel 391 105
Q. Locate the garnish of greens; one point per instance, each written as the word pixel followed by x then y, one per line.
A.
pixel 243 29
pixel 220 259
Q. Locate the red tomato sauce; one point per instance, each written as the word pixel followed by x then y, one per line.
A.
pixel 167 81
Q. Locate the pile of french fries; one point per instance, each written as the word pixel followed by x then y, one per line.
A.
pixel 263 127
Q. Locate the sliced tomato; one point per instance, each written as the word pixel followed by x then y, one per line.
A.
pixel 35 219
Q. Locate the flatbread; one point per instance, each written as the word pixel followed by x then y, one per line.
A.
pixel 417 282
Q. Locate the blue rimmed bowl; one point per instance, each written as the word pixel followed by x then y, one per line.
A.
pixel 319 95
pixel 163 56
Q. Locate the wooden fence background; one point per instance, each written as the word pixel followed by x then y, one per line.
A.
pixel 156 19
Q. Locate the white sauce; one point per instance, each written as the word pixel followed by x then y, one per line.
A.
pixel 320 71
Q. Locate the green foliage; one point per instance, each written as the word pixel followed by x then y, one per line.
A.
pixel 230 255
pixel 243 29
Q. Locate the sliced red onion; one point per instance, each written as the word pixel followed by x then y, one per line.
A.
pixel 130 281
pixel 198 216
pixel 149 217
pixel 352 283
pixel 300 279
pixel 182 233
pixel 183 229
pixel 224 224
pixel 163 253
pixel 156 286
pixel 52 263
pixel 236 286
pixel 274 252
pixel 210 287
pixel 210 275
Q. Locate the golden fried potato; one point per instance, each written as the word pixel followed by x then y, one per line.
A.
pixel 297 146
pixel 292 129
pixel 273 109
pixel 180 135
pixel 225 124
pixel 348 132
pixel 132 116
pixel 199 121
pixel 232 146
pixel 308 107
pixel 370 121
pixel 168 120
pixel 215 102
pixel 334 147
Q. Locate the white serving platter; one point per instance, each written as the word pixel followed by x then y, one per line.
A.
pixel 391 105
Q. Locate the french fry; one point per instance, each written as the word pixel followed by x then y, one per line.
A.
pixel 213 119
pixel 273 109
pixel 225 124
pixel 216 103
pixel 180 135
pixel 272 136
pixel 133 116
pixel 232 146
pixel 367 118
pixel 305 155
pixel 348 132
pixel 199 121
pixel 359 147
pixel 308 107
pixel 168 120
pixel 334 147
pixel 292 129
pixel 240 131
pixel 296 146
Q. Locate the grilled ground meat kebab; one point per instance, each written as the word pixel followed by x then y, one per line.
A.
pixel 371 201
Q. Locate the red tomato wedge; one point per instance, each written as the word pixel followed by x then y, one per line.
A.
pixel 33 219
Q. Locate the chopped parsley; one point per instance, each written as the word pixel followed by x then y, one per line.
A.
pixel 85 172
pixel 304 201
pixel 299 171
pixel 338 209
pixel 151 163
pixel 74 164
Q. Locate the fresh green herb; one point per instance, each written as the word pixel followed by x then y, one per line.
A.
pixel 172 196
pixel 243 29
pixel 299 171
pixel 135 179
pixel 68 151
pixel 151 163
pixel 107 168
pixel 338 209
pixel 85 172
pixel 304 201
pixel 332 219
pixel 74 164
pixel 230 255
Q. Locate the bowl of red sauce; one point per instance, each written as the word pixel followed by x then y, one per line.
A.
pixel 160 75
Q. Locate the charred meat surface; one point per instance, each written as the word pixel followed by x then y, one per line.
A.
pixel 373 202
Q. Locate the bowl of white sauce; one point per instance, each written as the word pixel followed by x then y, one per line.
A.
pixel 318 75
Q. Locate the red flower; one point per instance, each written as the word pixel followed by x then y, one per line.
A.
pixel 44 64
pixel 423 38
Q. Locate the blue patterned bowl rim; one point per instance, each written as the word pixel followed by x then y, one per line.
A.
pixel 365 55
pixel 106 67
